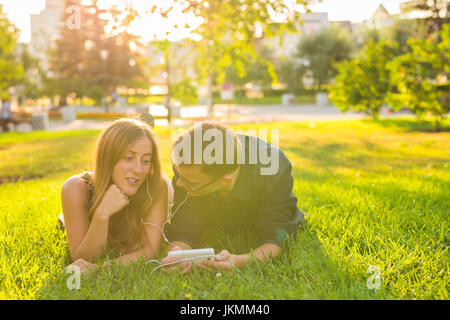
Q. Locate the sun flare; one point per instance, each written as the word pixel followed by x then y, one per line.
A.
pixel 151 25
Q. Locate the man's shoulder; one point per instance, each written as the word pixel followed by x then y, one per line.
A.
pixel 265 158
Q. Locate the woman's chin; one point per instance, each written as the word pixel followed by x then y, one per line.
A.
pixel 130 191
pixel 133 193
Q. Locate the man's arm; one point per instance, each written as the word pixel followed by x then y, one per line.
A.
pixel 225 261
pixel 262 253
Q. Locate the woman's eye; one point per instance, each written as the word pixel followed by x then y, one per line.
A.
pixel 146 161
pixel 128 158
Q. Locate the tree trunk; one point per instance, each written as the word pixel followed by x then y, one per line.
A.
pixel 375 113
pixel 437 124
pixel 62 101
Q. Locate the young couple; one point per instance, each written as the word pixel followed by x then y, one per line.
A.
pixel 125 202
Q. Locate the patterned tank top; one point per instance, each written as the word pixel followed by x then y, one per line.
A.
pixel 86 177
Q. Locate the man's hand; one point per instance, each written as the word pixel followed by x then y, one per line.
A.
pixel 183 266
pixel 224 261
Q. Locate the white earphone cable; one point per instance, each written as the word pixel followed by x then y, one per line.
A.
pixel 171 215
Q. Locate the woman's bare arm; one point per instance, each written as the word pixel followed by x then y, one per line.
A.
pixel 86 239
pixel 153 237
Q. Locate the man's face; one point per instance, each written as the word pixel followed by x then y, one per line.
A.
pixel 196 182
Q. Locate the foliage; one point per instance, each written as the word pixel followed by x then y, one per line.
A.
pixel 398 32
pixel 95 92
pixel 229 31
pixel 401 31
pixel 418 74
pixel 322 50
pixel 437 12
pixel 30 85
pixel 363 82
pixel 257 69
pixel 291 73
pixel 88 61
pixel 66 60
pixel 11 72
pixel 184 92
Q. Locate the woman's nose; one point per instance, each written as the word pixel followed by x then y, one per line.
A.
pixel 138 167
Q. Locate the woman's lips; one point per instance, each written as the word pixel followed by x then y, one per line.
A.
pixel 132 181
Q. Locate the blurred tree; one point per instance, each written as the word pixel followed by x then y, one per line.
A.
pixel 402 30
pixel 437 11
pixel 229 31
pixel 370 35
pixel 185 92
pixel 291 72
pixel 29 87
pixel 66 59
pixel 11 71
pixel 322 50
pixel 363 82
pixel 86 60
pixel 256 69
pixel 418 75
pixel 129 62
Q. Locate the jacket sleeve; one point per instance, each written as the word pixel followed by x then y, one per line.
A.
pixel 278 215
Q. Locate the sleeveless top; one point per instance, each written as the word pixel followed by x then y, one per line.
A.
pixel 86 177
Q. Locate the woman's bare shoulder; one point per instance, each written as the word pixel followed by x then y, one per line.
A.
pixel 75 186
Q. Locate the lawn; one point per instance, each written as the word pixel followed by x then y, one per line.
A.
pixel 374 192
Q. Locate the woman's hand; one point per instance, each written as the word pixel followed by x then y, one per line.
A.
pixel 183 266
pixel 84 266
pixel 113 201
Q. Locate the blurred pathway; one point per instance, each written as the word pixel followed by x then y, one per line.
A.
pixel 233 114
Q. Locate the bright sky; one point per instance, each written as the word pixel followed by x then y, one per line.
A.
pixel 354 10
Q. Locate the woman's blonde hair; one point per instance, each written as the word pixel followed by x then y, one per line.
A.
pixel 126 232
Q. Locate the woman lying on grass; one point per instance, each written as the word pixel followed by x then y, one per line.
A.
pixel 106 207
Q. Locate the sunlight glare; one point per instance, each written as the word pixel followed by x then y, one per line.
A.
pixel 152 26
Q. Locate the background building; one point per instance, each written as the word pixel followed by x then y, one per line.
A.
pixel 312 22
pixel 380 18
pixel 45 29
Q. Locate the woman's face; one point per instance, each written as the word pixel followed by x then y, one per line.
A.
pixel 132 169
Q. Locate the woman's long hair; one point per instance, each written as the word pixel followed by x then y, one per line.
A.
pixel 126 232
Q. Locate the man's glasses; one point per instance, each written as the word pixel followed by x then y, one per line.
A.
pixel 191 187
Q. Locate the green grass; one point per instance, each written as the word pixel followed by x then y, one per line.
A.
pixel 374 192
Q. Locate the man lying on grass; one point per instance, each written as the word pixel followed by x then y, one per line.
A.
pixel 107 206
pixel 225 181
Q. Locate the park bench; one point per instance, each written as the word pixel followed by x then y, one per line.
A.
pixel 14 121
